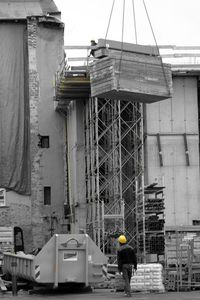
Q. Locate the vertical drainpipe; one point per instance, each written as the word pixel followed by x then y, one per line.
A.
pixel 56 263
pixel 86 260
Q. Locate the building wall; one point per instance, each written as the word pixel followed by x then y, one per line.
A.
pixel 44 42
pixel 45 48
pixel 15 159
pixel 76 165
pixel 172 118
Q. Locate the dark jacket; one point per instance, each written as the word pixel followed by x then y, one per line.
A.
pixel 126 255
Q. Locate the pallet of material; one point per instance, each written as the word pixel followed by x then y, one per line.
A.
pixel 73 88
pixel 130 76
pixel 105 47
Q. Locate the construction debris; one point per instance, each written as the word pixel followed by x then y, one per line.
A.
pixel 3 288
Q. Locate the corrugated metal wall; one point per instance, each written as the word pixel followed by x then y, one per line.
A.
pixel 171 119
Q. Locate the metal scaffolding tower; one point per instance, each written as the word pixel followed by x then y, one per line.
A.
pixel 114 170
pixel 113 164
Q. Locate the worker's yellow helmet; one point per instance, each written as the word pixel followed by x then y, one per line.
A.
pixel 122 239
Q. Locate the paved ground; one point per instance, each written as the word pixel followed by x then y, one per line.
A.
pixel 102 295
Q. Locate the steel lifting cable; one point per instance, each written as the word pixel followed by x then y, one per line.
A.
pixel 122 43
pixel 122 34
pixel 134 18
pixel 109 19
pixel 163 69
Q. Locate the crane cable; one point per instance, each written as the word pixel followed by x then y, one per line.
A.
pixel 122 36
pixel 122 44
pixel 162 65
pixel 134 18
pixel 109 19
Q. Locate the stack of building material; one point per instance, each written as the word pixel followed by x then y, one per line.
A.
pixel 181 240
pixel 148 277
pixel 183 256
pixel 152 230
pixel 171 279
pixel 196 249
pixel 135 73
pixel 73 88
pixel 73 85
pixel 6 241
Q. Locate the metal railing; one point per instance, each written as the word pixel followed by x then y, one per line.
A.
pixel 175 55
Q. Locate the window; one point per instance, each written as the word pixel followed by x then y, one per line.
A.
pixel 43 141
pixel 2 197
pixel 47 195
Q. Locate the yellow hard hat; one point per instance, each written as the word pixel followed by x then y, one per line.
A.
pixel 122 239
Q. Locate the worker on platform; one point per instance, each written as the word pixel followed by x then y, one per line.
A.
pixel 126 259
pixel 92 44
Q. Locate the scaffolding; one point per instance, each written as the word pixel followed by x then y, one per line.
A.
pixel 114 153
pixel 114 170
pixel 114 165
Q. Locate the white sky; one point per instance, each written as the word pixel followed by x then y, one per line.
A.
pixel 175 22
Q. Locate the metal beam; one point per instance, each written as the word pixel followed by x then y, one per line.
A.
pixel 186 149
pixel 159 149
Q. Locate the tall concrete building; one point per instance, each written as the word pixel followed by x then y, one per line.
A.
pixel 172 147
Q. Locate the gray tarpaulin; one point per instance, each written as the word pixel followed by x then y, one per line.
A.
pixel 14 109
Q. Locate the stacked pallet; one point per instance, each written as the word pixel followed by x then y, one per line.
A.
pixel 148 277
pixel 181 240
pixel 182 257
pixel 136 75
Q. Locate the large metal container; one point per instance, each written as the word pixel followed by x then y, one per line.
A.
pixel 134 74
pixel 66 258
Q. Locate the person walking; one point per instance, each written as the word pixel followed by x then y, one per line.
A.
pixel 126 258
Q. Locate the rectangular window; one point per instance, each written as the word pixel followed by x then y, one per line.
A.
pixel 70 256
pixel 47 195
pixel 2 197
pixel 43 141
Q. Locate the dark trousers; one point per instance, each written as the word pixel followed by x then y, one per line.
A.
pixel 127 274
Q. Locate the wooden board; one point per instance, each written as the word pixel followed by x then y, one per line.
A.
pixel 131 76
pixel 110 45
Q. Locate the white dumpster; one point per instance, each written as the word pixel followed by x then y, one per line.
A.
pixel 66 258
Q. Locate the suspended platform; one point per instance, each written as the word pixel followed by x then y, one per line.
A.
pixel 129 72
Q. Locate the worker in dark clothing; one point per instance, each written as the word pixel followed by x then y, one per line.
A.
pixel 93 44
pixel 126 258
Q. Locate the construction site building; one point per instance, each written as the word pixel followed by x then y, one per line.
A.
pixel 32 135
pixel 86 159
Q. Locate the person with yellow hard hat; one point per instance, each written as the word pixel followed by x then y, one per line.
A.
pixel 126 258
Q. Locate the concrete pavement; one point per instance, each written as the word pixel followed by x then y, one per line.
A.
pixel 101 295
